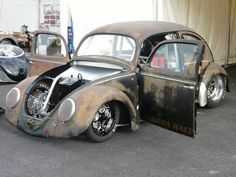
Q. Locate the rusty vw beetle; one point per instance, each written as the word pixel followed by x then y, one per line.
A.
pixel 120 73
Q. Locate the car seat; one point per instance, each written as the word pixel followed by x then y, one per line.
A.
pixel 159 61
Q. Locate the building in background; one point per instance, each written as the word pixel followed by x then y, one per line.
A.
pixel 36 14
pixel 90 14
pixel 49 11
pixel 16 13
pixel 214 20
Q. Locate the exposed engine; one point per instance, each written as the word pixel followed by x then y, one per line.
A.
pixel 48 92
pixel 36 100
pixel 52 87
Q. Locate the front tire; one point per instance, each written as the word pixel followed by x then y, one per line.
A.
pixel 215 91
pixel 104 123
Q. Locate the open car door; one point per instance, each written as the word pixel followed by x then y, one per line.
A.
pixel 49 50
pixel 168 85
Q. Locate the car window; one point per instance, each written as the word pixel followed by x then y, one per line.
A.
pixel 149 44
pixel 117 46
pixel 207 56
pixel 50 45
pixel 176 58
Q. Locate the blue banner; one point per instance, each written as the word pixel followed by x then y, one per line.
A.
pixel 70 33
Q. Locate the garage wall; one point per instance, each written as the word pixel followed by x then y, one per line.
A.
pixel 13 14
pixel 210 18
pixel 90 14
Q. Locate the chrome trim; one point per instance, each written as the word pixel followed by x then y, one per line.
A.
pixel 189 87
pixel 113 78
pixel 72 110
pixel 9 103
pixel 68 72
pixel 30 118
pixel 46 61
pixel 97 64
pixel 168 78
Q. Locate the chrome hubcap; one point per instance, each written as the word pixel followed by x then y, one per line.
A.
pixel 216 88
pixel 104 120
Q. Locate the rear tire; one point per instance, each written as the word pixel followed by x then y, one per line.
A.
pixel 215 91
pixel 104 123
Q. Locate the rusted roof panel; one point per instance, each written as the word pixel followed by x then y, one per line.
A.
pixel 140 30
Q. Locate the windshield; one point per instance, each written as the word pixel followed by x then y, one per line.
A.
pixel 117 46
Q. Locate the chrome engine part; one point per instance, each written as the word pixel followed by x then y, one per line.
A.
pixel 35 102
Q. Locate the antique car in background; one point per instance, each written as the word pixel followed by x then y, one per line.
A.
pixel 13 38
pixel 13 64
pixel 38 64
pixel 120 73
pixel 22 39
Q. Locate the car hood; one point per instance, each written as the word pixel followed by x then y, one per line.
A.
pixel 88 71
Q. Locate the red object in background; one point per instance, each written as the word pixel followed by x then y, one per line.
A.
pixel 159 61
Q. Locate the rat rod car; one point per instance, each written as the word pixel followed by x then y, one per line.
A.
pixel 120 73
pixel 13 64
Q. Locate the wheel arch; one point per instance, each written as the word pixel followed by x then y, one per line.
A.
pixel 89 99
pixel 13 41
pixel 212 70
pixel 13 113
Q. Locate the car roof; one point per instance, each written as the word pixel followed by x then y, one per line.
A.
pixel 140 30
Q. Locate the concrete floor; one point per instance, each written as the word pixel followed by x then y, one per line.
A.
pixel 151 151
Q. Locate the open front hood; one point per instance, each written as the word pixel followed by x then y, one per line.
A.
pixel 88 71
pixel 52 87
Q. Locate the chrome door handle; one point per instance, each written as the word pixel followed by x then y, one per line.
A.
pixel 31 62
pixel 189 87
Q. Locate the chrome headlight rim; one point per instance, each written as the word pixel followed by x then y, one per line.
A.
pixel 13 93
pixel 66 110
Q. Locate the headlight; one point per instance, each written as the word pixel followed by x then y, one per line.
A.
pixel 13 97
pixel 11 69
pixel 66 110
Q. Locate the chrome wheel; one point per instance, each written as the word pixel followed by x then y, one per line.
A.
pixel 215 91
pixel 104 123
pixel 104 120
pixel 216 88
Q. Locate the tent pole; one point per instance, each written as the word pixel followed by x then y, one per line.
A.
pixel 228 33
pixel 154 9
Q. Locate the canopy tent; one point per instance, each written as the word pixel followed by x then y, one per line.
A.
pixel 214 20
